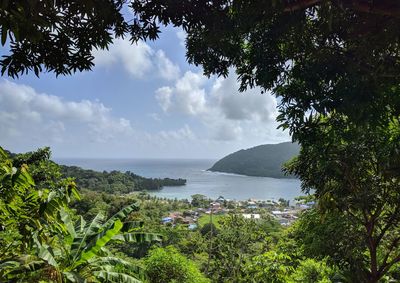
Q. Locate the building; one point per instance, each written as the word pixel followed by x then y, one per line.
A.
pixel 255 216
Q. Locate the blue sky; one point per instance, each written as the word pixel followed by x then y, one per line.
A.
pixel 139 101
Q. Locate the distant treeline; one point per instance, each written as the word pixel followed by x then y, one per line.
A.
pixel 115 181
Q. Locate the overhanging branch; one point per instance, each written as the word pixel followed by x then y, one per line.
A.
pixel 379 7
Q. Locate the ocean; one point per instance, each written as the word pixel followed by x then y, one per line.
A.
pixel 199 181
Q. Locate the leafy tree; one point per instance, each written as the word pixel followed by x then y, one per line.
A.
pixel 271 267
pixel 199 200
pixel 209 230
pixel 311 271
pixel 27 210
pixel 277 267
pixel 317 56
pixel 194 245
pixel 58 36
pixel 238 239
pixel 84 252
pixel 41 241
pixel 354 170
pixel 331 236
pixel 80 254
pixel 283 202
pixel 168 265
pixel 116 182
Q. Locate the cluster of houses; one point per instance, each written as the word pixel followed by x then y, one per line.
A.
pixel 284 213
pixel 189 218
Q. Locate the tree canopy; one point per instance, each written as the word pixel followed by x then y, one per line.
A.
pixel 333 64
pixel 355 170
pixel 317 56
pixel 60 36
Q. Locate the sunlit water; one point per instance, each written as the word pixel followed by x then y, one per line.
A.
pixel 199 181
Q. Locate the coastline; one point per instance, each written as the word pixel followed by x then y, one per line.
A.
pixel 245 175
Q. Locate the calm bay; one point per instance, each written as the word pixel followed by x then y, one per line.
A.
pixel 199 181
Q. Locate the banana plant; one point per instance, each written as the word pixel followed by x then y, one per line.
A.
pixel 81 255
pixel 48 244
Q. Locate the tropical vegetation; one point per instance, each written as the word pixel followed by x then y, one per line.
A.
pixel 44 240
pixel 334 66
pixel 115 181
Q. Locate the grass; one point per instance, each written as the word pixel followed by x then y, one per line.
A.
pixel 205 218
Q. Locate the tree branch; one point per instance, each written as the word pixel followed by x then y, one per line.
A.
pixel 300 5
pixel 389 223
pixel 382 7
pixel 386 266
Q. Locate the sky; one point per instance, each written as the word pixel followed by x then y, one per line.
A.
pixel 139 101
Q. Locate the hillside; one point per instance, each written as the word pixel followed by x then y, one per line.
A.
pixel 116 182
pixel 263 160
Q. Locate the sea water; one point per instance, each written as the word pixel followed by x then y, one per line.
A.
pixel 199 180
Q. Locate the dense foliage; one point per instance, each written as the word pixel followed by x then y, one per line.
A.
pixel 49 232
pixel 263 160
pixel 58 36
pixel 115 181
pixel 334 65
pixel 43 240
pixel 164 265
pixel 354 170
pixel 316 56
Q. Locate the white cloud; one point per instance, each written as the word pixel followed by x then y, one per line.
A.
pixel 155 117
pixel 176 141
pixel 184 133
pixel 181 35
pixel 187 96
pixel 163 96
pixel 227 132
pixel 167 70
pixel 250 105
pixel 35 119
pixel 136 58
pixel 225 113
pixel 29 119
pixel 190 95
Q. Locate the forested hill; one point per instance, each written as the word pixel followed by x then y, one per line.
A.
pixel 263 160
pixel 116 182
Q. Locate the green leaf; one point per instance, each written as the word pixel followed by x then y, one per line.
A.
pixel 98 242
pixel 93 228
pixel 122 214
pixel 129 226
pixel 46 253
pixel 80 227
pixel 3 35
pixel 74 277
pixel 8 266
pixel 107 276
pixel 102 262
pixel 69 225
pixel 52 207
pixel 138 237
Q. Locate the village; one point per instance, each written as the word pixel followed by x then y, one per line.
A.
pixel 204 210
